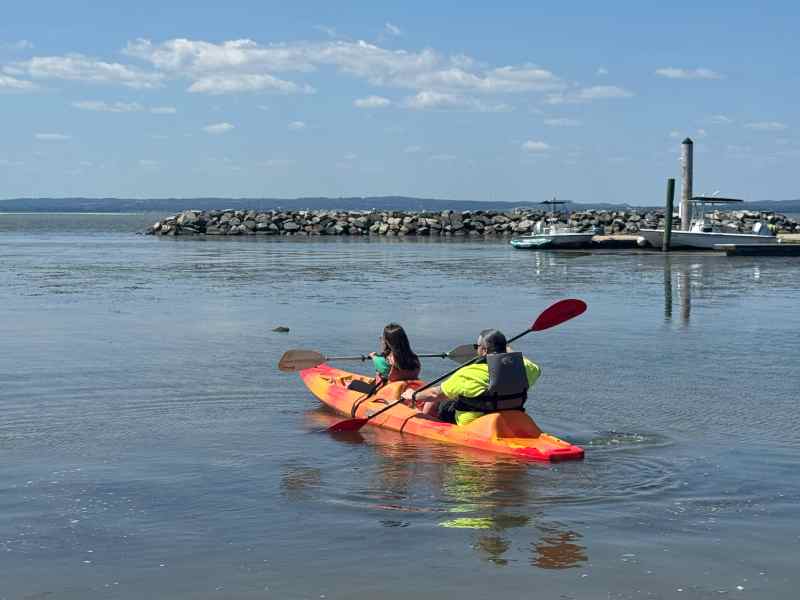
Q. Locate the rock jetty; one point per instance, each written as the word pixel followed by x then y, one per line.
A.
pixel 476 223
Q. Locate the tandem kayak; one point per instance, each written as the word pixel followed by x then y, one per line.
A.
pixel 511 432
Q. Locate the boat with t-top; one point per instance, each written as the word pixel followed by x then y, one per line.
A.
pixel 703 234
pixel 549 233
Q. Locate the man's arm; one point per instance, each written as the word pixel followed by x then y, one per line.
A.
pixel 430 395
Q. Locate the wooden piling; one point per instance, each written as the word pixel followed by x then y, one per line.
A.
pixel 668 288
pixel 668 215
pixel 687 172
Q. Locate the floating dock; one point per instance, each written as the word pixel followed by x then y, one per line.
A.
pixel 759 249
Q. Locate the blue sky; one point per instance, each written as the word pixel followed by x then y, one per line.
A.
pixel 501 101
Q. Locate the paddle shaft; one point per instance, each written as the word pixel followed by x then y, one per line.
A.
pixel 364 357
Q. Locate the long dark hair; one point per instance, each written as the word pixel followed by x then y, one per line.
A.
pixel 396 342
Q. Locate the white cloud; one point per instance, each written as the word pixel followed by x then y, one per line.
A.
pixel 766 126
pixel 431 100
pixel 393 29
pixel 350 156
pixel 4 162
pixel 77 67
pixel 296 125
pixel 237 66
pixel 158 136
pixel 276 162
pixel 12 84
pixel 443 157
pixel 372 102
pixel 115 107
pixel 588 94
pixel 147 163
pixel 698 73
pixel 262 107
pixel 18 45
pixel 194 57
pixel 412 149
pixel 701 133
pixel 218 128
pixel 674 134
pixel 246 82
pixel 329 31
pixel 423 70
pixel 601 71
pixel 493 81
pixel 535 146
pixel 52 137
pixel 562 122
pixel 720 120
pixel 122 107
pixel 740 151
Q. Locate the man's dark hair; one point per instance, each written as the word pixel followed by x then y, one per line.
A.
pixel 493 340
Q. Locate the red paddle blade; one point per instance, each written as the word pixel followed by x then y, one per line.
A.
pixel 348 425
pixel 557 313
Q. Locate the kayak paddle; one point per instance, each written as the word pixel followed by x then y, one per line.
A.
pixel 297 360
pixel 553 315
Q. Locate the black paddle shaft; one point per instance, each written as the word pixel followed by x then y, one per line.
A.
pixel 469 362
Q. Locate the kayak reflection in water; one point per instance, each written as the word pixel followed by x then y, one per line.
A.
pixel 395 361
pixel 500 381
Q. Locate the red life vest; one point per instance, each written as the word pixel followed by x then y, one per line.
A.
pixel 398 374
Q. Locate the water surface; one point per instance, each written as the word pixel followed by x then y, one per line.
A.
pixel 150 448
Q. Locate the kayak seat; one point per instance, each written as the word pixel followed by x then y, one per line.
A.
pixel 506 424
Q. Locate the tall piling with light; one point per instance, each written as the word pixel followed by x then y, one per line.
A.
pixel 687 171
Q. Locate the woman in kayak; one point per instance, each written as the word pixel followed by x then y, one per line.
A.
pixel 395 361
pixel 498 382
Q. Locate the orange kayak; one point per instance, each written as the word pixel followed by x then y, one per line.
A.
pixel 510 432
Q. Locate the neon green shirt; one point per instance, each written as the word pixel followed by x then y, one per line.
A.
pixel 472 381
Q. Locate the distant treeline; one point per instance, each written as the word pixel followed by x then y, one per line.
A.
pixel 383 203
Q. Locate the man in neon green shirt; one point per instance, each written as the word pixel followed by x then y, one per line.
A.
pixel 500 382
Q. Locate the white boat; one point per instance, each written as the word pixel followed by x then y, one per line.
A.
pixel 553 234
pixel 701 233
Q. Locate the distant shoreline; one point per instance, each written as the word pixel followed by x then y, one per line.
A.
pixel 355 203
pixel 73 212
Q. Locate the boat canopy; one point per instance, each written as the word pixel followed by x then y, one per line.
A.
pixel 715 200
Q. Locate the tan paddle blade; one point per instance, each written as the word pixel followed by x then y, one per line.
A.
pixel 463 353
pixel 297 360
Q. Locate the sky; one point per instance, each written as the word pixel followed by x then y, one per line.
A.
pixel 508 101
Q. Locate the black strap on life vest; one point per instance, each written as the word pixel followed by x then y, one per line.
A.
pixel 508 385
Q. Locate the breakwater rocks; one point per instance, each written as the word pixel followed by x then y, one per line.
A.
pixel 446 223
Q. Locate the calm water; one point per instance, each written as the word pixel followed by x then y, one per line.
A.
pixel 150 447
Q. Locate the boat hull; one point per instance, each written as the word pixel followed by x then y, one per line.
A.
pixel 705 240
pixel 553 240
pixel 512 433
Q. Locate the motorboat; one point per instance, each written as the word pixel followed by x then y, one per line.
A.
pixel 552 234
pixel 702 234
